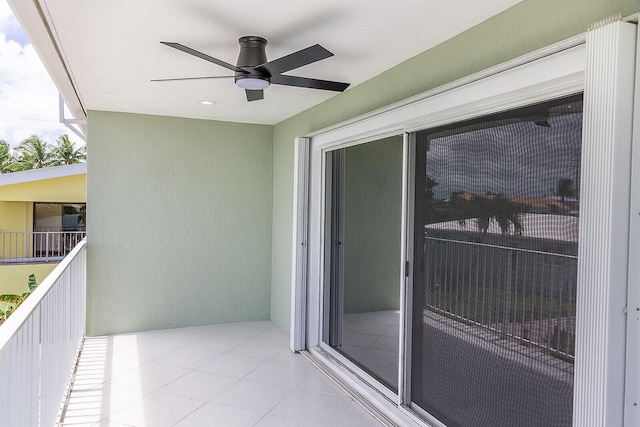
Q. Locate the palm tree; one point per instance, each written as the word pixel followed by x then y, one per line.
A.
pixel 17 299
pixel 497 207
pixel 5 157
pixel 564 188
pixel 33 153
pixel 65 153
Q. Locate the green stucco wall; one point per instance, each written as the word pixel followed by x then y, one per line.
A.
pixel 528 26
pixel 180 229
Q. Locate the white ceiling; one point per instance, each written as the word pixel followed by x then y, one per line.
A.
pixel 112 48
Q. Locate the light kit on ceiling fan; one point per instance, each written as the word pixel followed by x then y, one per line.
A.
pixel 254 73
pixel 252 83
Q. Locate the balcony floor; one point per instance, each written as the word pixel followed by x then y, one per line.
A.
pixel 240 374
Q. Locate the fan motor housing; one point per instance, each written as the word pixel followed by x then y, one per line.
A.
pixel 252 54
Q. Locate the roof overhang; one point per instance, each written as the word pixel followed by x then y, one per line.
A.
pixel 36 25
pixel 33 175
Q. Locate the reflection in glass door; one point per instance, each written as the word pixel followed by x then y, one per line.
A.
pixel 497 203
pixel 362 256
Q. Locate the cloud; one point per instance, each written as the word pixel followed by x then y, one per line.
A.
pixel 10 26
pixel 28 96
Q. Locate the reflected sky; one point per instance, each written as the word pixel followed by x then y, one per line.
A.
pixel 524 158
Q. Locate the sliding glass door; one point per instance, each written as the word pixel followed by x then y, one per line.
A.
pixel 491 270
pixel 362 252
pixel 497 203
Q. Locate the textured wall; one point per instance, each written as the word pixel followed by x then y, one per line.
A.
pixel 180 222
pixel 530 25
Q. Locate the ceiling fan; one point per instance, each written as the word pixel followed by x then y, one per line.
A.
pixel 254 73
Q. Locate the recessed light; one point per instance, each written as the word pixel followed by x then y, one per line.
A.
pixel 207 103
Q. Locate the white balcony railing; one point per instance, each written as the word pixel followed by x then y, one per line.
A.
pixel 39 346
pixel 524 294
pixel 37 246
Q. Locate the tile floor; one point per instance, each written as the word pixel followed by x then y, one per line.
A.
pixel 240 374
pixel 371 339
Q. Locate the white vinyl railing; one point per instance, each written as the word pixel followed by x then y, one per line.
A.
pixel 37 246
pixel 39 345
pixel 525 294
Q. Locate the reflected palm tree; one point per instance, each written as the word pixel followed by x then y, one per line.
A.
pixel 564 189
pixel 498 208
pixel 429 184
pixel 503 211
pixel 429 199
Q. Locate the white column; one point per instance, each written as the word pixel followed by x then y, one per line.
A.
pixel 632 392
pixel 604 225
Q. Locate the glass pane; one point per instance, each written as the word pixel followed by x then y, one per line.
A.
pixel 47 217
pixel 496 244
pixel 73 216
pixel 364 211
pixel 59 217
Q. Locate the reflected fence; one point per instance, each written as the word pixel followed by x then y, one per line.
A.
pixel 37 246
pixel 523 294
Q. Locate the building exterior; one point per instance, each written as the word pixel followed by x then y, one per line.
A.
pixel 240 225
pixel 31 202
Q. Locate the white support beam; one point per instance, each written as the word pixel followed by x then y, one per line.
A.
pixel 300 244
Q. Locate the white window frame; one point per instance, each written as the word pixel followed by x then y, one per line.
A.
pixel 553 72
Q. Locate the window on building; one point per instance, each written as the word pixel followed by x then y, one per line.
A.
pixel 59 217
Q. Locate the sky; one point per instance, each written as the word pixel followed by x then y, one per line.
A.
pixel 28 96
pixel 519 159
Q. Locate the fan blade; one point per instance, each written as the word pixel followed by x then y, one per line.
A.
pixel 201 55
pixel 254 95
pixel 309 83
pixel 191 78
pixel 295 60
